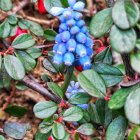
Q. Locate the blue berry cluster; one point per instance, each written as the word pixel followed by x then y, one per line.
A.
pixel 75 88
pixel 73 43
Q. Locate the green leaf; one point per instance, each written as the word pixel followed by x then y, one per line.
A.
pixel 56 89
pixel 45 127
pixel 23 41
pixel 133 133
pixel 24 24
pixel 50 34
pixel 122 41
pixel 104 57
pixel 138 43
pixel 58 131
pixel 12 19
pixel 101 23
pixel 2 138
pixel 16 111
pixel 21 86
pixel 117 129
pixel 111 75
pixel 13 30
pixel 34 52
pixel 125 13
pixel 86 129
pixel 92 83
pixel 14 67
pixel 36 28
pixel 4 29
pixel 118 99
pixel 79 98
pixel 52 3
pixel 73 114
pixel 45 109
pixel 135 61
pixel 15 130
pixel 132 106
pixel 6 5
pixel 40 136
pixel 65 3
pixel 28 62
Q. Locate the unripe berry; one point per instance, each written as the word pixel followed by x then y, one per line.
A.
pixel 65 36
pixel 58 38
pixel 84 29
pixel 81 50
pixel 41 7
pixel 63 27
pixel 74 30
pixel 80 23
pixel 89 42
pixel 79 6
pixel 77 16
pixel 19 31
pixel 81 37
pixel 70 22
pixel 61 49
pixel 71 45
pixel 58 59
pixel 68 58
pixel 71 2
pixel 85 61
pixel 67 14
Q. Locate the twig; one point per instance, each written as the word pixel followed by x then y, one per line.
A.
pixel 39 88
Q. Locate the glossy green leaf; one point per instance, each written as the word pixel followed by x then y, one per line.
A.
pixel 64 3
pixel 52 3
pixel 79 98
pixel 12 19
pixel 50 34
pixel 16 111
pixel 117 129
pixel 92 83
pixel 73 114
pixel 125 13
pixel 132 106
pixel 122 41
pixel 111 75
pixel 135 61
pixel 58 131
pixel 138 43
pixel 36 28
pixel 34 52
pixel 118 99
pixel 86 129
pixel 28 62
pixel 133 133
pixel 4 29
pixel 104 57
pixel 6 5
pixel 101 23
pixel 13 30
pixel 14 67
pixel 45 109
pixel 23 41
pixel 40 136
pixel 15 130
pixel 21 86
pixel 2 138
pixel 24 24
pixel 56 89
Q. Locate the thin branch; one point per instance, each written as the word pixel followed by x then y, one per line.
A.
pixel 39 88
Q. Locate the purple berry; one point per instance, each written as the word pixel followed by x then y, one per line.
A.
pixel 65 36
pixel 81 50
pixel 74 30
pixel 61 49
pixel 58 59
pixel 79 6
pixel 81 37
pixel 71 45
pixel 69 58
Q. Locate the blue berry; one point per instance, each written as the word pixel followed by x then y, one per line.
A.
pixel 58 38
pixel 81 50
pixel 89 42
pixel 79 6
pixel 80 23
pixel 65 36
pixel 71 2
pixel 81 37
pixel 61 49
pixel 85 61
pixel 71 45
pixel 84 29
pixel 74 30
pixel 55 48
pixel 69 58
pixel 89 51
pixel 71 22
pixel 83 106
pixel 63 27
pixel 77 16
pixel 86 67
pixel 67 14
pixel 58 59
pixel 61 18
